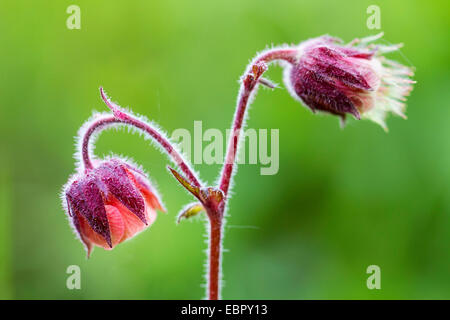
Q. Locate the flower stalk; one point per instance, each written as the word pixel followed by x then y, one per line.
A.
pixel 250 80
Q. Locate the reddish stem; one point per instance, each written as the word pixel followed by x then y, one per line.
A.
pixel 176 157
pixel 95 126
pixel 215 255
pixel 248 86
pixel 249 83
pixel 101 123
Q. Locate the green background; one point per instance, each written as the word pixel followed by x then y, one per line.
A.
pixel 341 201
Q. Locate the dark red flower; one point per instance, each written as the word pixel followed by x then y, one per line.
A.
pixel 110 204
pixel 349 79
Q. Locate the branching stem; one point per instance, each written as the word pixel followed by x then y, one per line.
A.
pixel 215 210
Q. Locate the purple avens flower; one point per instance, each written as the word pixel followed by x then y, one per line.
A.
pixel 110 203
pixel 351 79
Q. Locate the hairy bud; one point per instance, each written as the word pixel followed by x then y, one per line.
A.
pixel 349 79
pixel 110 204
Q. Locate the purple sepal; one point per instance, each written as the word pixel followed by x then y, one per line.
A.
pixel 114 175
pixel 85 198
pixel 76 223
pixel 318 93
pixel 332 65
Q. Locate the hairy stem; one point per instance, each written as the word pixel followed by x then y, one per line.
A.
pixel 97 125
pixel 248 85
pixel 215 257
pixel 250 81
pixel 102 123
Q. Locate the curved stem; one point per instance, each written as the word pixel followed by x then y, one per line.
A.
pixel 102 123
pixel 250 80
pixel 95 126
pixel 248 86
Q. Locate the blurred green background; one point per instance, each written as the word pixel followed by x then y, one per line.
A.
pixel 341 201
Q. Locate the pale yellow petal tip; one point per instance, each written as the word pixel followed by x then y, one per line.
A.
pixel 383 125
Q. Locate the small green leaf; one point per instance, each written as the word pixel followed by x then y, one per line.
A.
pixel 190 210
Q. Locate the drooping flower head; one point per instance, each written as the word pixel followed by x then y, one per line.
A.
pixel 110 203
pixel 351 79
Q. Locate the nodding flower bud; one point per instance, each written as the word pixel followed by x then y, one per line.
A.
pixel 354 78
pixel 110 203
